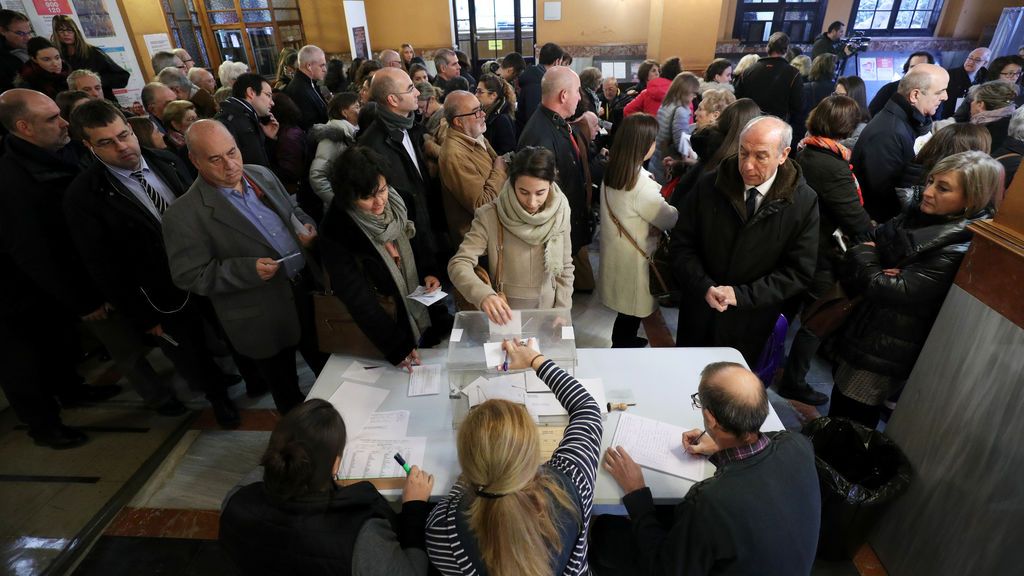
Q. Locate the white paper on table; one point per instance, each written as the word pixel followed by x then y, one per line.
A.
pixel 514 327
pixel 375 457
pixel 456 335
pixel 421 295
pixel 386 425
pixel 568 333
pixel 425 380
pixel 596 388
pixel 356 403
pixel 534 383
pixel 493 354
pixel 657 445
pixel 509 387
pixel 368 373
pixel 544 404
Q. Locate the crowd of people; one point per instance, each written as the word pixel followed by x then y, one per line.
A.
pixel 209 221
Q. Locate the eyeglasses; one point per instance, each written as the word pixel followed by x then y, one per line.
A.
pixel 481 91
pixel 22 34
pixel 476 112
pixel 973 59
pixel 695 401
pixel 108 142
pixel 59 30
pixel 408 91
pixel 1010 74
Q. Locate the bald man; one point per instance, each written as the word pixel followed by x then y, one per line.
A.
pixel 758 514
pixel 471 171
pixel 886 145
pixel 236 238
pixel 971 73
pixel 46 286
pixel 746 241
pixel 390 59
pixel 547 128
pixel 310 68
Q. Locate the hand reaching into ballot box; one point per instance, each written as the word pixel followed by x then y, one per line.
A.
pixel 522 355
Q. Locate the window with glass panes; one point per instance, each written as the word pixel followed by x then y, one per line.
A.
pixel 896 17
pixel 186 33
pixel 756 20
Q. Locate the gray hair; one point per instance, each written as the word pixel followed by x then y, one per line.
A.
pixel 230 71
pixel 308 53
pixel 981 177
pixel 915 79
pixel 1017 124
pixel 81 73
pixel 784 129
pixel 441 58
pixel 163 59
pixel 173 78
pixel 193 74
pixel 149 93
pixel 181 53
pixel 995 94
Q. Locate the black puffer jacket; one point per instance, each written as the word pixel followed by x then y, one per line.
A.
pixel 886 332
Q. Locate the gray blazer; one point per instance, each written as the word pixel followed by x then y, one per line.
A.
pixel 212 250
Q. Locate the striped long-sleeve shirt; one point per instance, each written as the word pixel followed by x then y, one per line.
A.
pixel 575 460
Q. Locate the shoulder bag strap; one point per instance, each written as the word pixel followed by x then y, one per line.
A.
pixel 501 257
pixel 622 231
pixel 1005 156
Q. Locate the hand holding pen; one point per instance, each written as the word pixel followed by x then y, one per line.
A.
pixel 699 442
pixel 418 484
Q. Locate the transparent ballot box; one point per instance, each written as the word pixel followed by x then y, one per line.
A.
pixel 472 333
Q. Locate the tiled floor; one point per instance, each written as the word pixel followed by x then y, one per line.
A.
pixel 169 524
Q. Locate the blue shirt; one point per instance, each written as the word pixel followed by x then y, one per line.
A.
pixel 269 224
pixel 125 178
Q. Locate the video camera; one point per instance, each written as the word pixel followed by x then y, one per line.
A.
pixel 854 43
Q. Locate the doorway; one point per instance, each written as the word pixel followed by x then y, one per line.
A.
pixel 489 29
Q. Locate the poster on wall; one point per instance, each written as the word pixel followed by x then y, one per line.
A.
pixel 358 30
pixel 868 70
pixel 883 67
pixel 102 25
pixel 359 39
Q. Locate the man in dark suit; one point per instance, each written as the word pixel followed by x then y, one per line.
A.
pixel 45 284
pixel 746 242
pixel 885 92
pixel 236 238
pixel 548 129
pixel 15 31
pixel 243 113
pixel 776 87
pixel 114 210
pixel 961 78
pixel 156 97
pixel 311 68
pixel 529 83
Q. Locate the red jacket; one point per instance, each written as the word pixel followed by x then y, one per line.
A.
pixel 650 99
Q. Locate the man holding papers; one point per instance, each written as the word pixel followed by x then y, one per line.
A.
pixel 758 514
pixel 231 238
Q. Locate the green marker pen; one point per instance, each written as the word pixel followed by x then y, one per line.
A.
pixel 401 462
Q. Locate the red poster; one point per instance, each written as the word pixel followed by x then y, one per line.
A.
pixel 52 7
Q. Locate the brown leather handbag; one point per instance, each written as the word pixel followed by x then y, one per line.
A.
pixel 337 332
pixel 828 313
pixel 485 277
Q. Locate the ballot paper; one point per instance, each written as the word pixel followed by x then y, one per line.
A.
pixel 387 425
pixel 568 333
pixel 368 373
pixel 356 403
pixel 494 356
pixel 509 387
pixel 425 379
pixel 375 457
pixel 456 335
pixel 657 445
pixel 513 327
pixel 421 295
pixel 544 404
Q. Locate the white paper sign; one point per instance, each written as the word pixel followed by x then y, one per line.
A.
pixel 157 43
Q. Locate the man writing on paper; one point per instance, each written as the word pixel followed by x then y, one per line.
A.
pixel 758 514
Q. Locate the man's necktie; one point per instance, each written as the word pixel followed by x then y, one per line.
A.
pixel 751 202
pixel 158 200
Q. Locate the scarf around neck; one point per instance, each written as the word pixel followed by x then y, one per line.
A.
pixel 394 121
pixel 546 227
pixel 394 228
pixel 986 116
pixel 826 143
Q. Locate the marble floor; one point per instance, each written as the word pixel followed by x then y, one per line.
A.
pixel 143 497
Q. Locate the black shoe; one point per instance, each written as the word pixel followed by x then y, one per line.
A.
pixel 59 437
pixel 226 414
pixel 229 380
pixel 171 407
pixel 804 394
pixel 85 394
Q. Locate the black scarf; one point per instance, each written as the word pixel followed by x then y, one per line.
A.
pixel 394 121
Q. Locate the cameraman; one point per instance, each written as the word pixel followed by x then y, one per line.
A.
pixel 829 42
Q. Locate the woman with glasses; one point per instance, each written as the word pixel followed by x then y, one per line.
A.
pixel 498 99
pixel 45 70
pixel 524 234
pixel 294 516
pixel 902 273
pixel 74 50
pixel 374 257
pixel 1003 69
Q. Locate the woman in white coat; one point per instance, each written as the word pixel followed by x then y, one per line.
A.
pixel 632 205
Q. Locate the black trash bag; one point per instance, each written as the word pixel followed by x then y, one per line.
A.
pixel 860 471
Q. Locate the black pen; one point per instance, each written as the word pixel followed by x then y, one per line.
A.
pixel 696 440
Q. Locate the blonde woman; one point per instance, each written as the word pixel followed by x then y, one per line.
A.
pixel 526 231
pixel 711 107
pixel 674 122
pixel 509 514
pixel 632 211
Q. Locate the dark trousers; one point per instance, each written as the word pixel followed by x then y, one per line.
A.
pixel 128 347
pixel 846 407
pixel 278 371
pixel 624 331
pixel 805 344
pixel 39 352
pixel 613 547
pixel 191 357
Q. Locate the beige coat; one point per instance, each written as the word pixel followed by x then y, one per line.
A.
pixel 527 285
pixel 623 278
pixel 469 179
